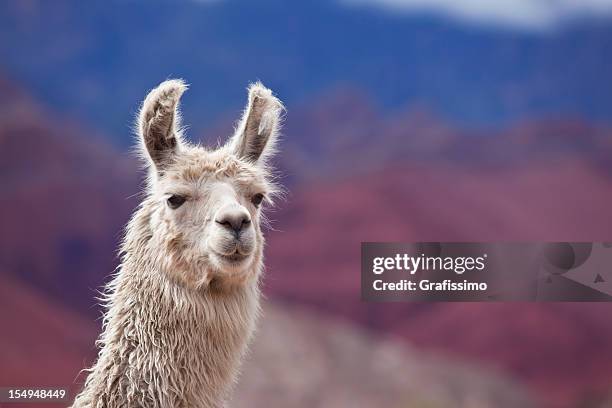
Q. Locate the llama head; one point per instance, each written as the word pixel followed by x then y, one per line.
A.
pixel 205 205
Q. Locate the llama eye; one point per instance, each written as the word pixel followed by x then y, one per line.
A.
pixel 257 199
pixel 175 201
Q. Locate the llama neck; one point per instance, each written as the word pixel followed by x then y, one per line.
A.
pixel 165 345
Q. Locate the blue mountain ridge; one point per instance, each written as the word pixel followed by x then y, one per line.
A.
pixel 94 60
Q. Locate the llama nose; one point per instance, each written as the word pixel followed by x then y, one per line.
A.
pixel 235 220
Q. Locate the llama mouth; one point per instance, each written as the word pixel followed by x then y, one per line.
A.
pixel 233 258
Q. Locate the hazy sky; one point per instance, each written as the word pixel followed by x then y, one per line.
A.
pixel 522 14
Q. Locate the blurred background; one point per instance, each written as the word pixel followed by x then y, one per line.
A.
pixel 407 120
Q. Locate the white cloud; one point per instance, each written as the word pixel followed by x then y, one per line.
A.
pixel 524 14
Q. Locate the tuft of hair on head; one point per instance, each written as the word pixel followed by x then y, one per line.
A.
pixel 159 123
pixel 257 132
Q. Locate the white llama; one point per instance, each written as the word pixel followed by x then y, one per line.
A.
pixel 183 305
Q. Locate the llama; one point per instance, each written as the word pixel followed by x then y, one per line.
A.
pixel 183 305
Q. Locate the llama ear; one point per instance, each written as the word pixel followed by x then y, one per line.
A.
pixel 257 131
pixel 158 122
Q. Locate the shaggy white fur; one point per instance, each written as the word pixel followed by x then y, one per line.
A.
pixel 183 305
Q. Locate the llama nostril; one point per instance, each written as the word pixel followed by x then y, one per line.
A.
pixel 225 224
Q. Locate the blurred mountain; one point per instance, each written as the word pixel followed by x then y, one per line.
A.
pixel 344 133
pixel 297 360
pixel 43 344
pixel 360 175
pixel 407 176
pixel 63 202
pixel 303 360
pixel 314 258
pixel 95 60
